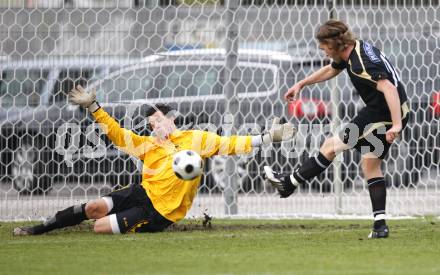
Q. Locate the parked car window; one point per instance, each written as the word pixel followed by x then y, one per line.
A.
pixel 127 86
pixel 69 78
pixel 22 87
pixel 180 81
pixel 161 82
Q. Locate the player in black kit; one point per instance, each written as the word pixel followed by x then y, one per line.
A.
pixel 374 128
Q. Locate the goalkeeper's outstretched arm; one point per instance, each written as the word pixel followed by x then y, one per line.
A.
pixel 126 140
pixel 213 144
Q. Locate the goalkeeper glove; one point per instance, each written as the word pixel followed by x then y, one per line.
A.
pixel 80 97
pixel 278 132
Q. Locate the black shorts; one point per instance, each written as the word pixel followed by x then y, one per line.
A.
pixel 366 132
pixel 135 212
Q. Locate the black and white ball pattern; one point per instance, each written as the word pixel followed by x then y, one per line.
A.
pixel 187 165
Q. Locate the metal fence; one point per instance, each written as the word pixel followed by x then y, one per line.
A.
pixel 174 54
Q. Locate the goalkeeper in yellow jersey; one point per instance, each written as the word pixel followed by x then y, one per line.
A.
pixel 161 199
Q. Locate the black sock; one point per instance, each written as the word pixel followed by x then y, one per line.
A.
pixel 311 168
pixel 378 195
pixel 70 216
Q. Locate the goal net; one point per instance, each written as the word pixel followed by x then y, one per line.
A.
pixel 224 65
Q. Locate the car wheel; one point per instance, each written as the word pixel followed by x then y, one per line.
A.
pixel 27 171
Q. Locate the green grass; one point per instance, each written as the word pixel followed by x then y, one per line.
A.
pixel 230 246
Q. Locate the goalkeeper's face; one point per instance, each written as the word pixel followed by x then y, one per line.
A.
pixel 162 125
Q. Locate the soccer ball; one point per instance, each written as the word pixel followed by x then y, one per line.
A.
pixel 187 165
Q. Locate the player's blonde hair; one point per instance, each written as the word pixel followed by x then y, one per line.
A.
pixel 336 35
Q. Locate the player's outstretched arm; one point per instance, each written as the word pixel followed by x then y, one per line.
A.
pixel 126 140
pixel 323 74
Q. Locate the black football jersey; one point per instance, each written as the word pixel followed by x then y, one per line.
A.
pixel 366 65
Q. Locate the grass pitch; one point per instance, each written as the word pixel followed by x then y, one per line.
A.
pixel 230 247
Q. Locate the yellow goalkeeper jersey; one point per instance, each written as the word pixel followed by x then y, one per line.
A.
pixel 171 196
